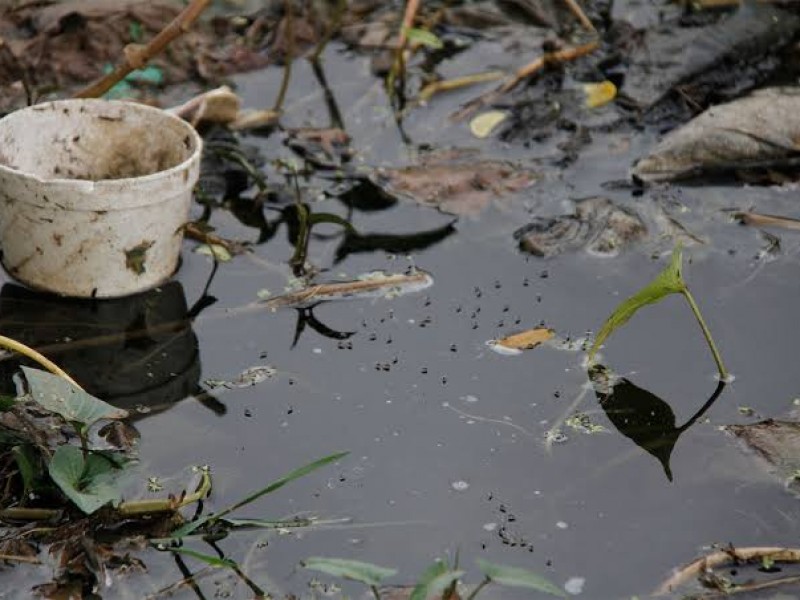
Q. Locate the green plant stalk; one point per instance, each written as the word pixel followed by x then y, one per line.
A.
pixel 20 513
pixel 20 348
pixel 158 505
pixel 375 592
pixel 478 588
pixel 723 373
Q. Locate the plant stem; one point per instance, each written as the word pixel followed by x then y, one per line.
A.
pixel 723 373
pixel 157 505
pixel 137 57
pixel 287 69
pixel 478 588
pixel 20 348
pixel 375 592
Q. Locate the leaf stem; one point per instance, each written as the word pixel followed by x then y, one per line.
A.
pixel 723 373
pixel 479 587
pixel 375 592
pixel 20 348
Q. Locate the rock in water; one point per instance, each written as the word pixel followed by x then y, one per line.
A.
pixel 762 129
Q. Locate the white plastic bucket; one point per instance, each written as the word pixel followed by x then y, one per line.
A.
pixel 94 194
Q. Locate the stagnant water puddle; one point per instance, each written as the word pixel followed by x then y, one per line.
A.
pixel 452 448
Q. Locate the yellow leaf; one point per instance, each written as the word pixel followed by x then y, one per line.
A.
pixel 483 125
pixel 599 94
pixel 526 340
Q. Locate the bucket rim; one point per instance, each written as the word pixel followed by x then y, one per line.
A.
pixel 91 184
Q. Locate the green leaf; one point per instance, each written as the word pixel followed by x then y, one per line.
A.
pixel 669 281
pixel 7 402
pixel 90 482
pixel 436 578
pixel 316 218
pixel 25 458
pixel 57 395
pixel 424 37
pixel 214 561
pixel 355 570
pixel 188 528
pixel 518 577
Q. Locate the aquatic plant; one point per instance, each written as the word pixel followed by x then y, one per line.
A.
pixel 669 281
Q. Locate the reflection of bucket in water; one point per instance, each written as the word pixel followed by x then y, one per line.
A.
pixel 138 352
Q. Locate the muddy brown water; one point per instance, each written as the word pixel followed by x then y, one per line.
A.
pixel 446 438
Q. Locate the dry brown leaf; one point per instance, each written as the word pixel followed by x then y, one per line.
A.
pixel 458 188
pixel 525 340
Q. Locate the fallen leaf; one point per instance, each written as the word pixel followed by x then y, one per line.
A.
pixel 526 340
pixel 484 124
pixel 599 94
pixel 216 251
pixel 762 129
pixel 459 188
pixel 777 443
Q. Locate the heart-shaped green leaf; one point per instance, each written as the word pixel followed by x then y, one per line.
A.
pixel 518 577
pixel 669 281
pixel 90 482
pixel 58 395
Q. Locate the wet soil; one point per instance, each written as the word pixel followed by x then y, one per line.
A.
pixel 447 438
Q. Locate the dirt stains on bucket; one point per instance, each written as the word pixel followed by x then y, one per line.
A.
pixel 136 257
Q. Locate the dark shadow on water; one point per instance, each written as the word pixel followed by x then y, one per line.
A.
pixel 641 416
pixel 139 352
pixel 306 318
pixel 355 243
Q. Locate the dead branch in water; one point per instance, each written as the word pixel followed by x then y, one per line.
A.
pixel 137 56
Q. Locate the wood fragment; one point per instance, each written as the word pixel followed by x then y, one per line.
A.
pixel 18 558
pixel 533 67
pixel 137 56
pixel 370 287
pixel 576 10
pixel 722 558
pixel 762 220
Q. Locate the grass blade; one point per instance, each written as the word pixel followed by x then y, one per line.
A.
pixel 356 570
pixel 275 485
pixel 518 577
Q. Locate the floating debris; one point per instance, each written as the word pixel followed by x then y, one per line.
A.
pixel 514 345
pixel 247 378
pixel 457 187
pixel 484 124
pixel 760 220
pixel 756 131
pixel 598 225
pixel 372 285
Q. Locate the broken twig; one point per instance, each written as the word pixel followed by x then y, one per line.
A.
pixel 522 73
pixel 576 10
pixel 722 558
pixel 761 220
pixel 137 56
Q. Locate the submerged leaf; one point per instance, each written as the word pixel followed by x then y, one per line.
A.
pixel 669 281
pixel 90 482
pixel 455 187
pixel 518 577
pixel 777 442
pixel 356 570
pixel 57 395
pixel 598 226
